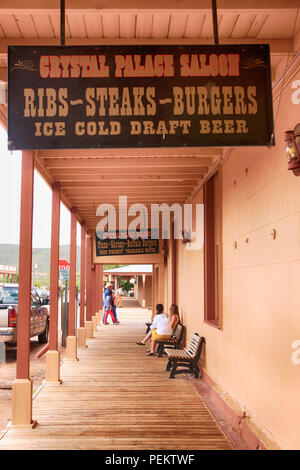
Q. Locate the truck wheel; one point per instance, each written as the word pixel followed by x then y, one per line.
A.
pixel 43 337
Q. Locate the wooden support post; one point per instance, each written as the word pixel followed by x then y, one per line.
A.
pixel 96 288
pixel 94 296
pixel 81 332
pixel 174 266
pixel 53 355
pixel 100 292
pixel 88 323
pixel 153 290
pixel 161 284
pixel 71 349
pixel 144 291
pixel 22 386
pixel 94 282
pixel 97 294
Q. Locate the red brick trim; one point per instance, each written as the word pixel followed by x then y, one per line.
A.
pixel 234 419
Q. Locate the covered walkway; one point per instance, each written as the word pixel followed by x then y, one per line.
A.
pixel 115 397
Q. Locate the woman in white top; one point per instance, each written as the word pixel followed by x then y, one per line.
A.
pixel 160 329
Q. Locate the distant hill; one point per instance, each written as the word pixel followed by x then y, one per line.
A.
pixel 9 254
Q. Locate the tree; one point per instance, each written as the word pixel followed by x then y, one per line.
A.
pixel 127 286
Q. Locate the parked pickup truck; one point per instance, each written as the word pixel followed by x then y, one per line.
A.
pixel 39 316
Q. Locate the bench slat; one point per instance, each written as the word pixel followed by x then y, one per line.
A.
pixel 177 353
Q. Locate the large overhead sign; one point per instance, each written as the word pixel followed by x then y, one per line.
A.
pixel 139 96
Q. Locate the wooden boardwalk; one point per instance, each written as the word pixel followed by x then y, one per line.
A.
pixel 116 397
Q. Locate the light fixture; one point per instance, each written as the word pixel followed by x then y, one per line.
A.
pixel 165 250
pixel 186 237
pixel 292 140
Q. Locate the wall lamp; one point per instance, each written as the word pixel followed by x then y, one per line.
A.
pixel 292 140
pixel 186 237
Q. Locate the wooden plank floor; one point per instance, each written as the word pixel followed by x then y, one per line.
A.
pixel 116 397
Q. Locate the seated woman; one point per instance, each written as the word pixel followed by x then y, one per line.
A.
pixel 162 327
pixel 174 316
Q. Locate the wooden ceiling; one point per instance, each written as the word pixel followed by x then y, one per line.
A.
pixel 90 177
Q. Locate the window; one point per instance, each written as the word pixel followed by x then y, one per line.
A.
pixel 212 250
pixel 8 295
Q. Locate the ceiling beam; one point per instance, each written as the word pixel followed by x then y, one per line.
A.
pixel 156 6
pixel 112 153
pixel 127 184
pixel 277 46
pixel 103 173
pixel 151 199
pixel 105 189
pixel 137 195
pixel 127 163
pixel 123 180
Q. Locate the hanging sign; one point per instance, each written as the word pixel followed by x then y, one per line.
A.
pixel 139 96
pixel 125 246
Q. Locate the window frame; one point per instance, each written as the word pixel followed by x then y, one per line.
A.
pixel 212 198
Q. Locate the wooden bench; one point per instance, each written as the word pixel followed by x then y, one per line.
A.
pixel 174 342
pixel 187 357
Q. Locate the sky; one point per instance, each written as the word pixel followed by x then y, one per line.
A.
pixel 10 190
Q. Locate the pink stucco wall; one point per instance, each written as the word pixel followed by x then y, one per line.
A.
pixel 250 358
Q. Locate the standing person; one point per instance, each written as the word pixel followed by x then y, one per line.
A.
pixel 119 296
pixel 115 306
pixel 108 288
pixel 109 309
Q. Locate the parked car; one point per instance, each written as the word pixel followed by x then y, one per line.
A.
pixel 39 315
pixel 44 295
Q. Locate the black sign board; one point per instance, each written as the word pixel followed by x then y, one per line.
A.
pixel 125 246
pixel 139 96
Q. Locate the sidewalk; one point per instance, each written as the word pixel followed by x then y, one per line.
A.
pixel 115 397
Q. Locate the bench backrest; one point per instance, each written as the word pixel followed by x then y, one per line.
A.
pixel 195 345
pixel 177 332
